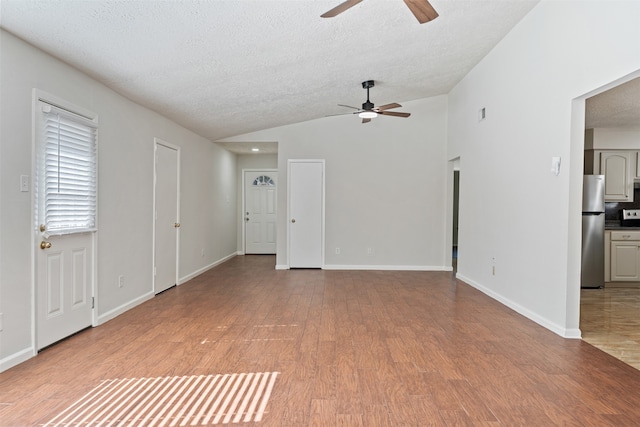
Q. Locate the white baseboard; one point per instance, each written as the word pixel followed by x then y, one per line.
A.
pixel 388 267
pixel 542 321
pixel 17 358
pixel 282 267
pixel 206 268
pixel 111 314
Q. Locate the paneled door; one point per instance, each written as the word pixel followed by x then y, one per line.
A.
pixel 306 213
pixel 64 286
pixel 167 215
pixel 260 215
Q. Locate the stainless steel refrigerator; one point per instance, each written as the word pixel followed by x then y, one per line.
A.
pixel 592 275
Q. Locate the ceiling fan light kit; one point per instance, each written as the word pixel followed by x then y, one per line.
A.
pixel 368 114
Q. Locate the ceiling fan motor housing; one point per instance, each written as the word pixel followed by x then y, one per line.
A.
pixel 367 106
pixel 368 84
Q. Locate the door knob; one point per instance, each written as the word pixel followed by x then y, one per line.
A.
pixel 176 225
pixel 246 219
pixel 293 220
pixel 45 245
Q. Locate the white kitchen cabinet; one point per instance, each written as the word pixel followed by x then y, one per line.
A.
pixel 625 256
pixel 618 183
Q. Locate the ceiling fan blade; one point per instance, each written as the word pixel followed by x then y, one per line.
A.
pixel 348 106
pixel 422 10
pixel 340 8
pixel 394 113
pixel 342 114
pixel 365 121
pixel 388 106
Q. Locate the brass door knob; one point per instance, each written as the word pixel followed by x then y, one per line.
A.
pixel 45 245
pixel 176 225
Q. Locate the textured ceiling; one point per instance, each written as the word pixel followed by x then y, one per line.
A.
pixel 224 68
pixel 617 107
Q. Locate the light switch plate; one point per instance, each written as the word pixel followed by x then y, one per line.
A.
pixel 24 183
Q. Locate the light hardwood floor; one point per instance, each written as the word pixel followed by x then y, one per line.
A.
pixel 610 320
pixel 352 348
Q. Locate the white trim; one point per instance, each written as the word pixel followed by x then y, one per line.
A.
pixel 544 322
pixel 17 358
pixel 206 268
pixel 388 267
pixel 282 266
pixel 243 209
pixel 156 142
pixel 112 314
pixel 288 222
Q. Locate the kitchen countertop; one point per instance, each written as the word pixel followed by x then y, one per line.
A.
pixel 619 227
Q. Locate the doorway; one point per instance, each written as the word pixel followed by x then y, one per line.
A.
pixel 260 211
pixel 454 231
pixel 166 224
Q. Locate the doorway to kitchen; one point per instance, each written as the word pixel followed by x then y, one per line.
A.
pixel 608 316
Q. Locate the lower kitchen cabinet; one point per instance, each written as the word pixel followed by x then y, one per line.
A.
pixel 625 261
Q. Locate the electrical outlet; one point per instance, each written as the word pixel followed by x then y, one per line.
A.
pixel 202 252
pixel 337 251
pixel 120 281
pixel 369 251
pixel 493 266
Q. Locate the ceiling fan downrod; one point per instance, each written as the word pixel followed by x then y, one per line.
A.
pixel 368 106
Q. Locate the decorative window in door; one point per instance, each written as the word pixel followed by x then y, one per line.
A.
pixel 264 181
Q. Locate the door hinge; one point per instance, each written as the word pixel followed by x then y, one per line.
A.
pixel 93 302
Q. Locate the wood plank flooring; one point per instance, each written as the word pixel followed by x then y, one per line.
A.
pixel 351 348
pixel 610 320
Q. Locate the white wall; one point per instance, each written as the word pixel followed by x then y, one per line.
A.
pixel 512 208
pixel 385 186
pixel 126 136
pixel 612 138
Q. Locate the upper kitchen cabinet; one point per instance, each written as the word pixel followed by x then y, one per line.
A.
pixel 614 153
pixel 616 166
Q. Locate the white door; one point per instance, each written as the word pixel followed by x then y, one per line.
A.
pixel 64 286
pixel 306 213
pixel 65 199
pixel 166 224
pixel 260 202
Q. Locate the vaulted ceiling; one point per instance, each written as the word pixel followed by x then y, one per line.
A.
pixel 224 68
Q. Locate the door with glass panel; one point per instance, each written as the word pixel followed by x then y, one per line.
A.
pixel 65 221
pixel 260 215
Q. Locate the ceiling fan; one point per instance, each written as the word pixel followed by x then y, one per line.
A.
pixel 421 9
pixel 369 110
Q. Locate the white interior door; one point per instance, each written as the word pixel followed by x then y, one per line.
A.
pixel 64 286
pixel 260 215
pixel 167 222
pixel 306 213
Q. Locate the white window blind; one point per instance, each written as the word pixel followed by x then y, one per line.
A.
pixel 68 175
